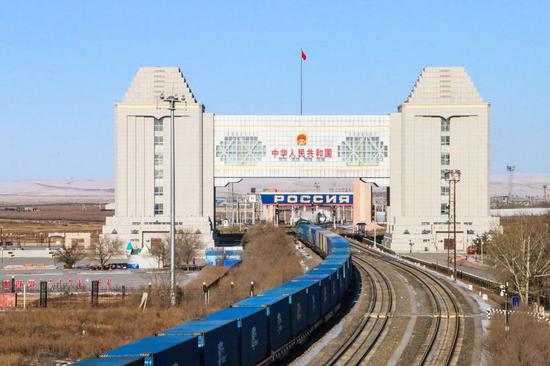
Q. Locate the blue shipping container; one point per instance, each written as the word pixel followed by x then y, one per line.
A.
pixel 325 281
pixel 313 290
pixel 298 305
pixel 340 268
pixel 253 332
pixel 230 262
pixel 218 340
pixel 158 351
pixel 278 312
pixel 334 283
pixel 117 361
pixel 341 251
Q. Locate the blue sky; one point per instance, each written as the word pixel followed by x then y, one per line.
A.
pixel 65 63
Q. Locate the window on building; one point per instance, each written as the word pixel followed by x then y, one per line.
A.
pixel 159 208
pixel 159 173
pixel 242 150
pixel 159 191
pixel 445 158
pixel 445 140
pixel 159 140
pixel 158 125
pixel 159 158
pixel 445 125
pixel 444 173
pixel 445 190
pixel 361 150
pixel 444 208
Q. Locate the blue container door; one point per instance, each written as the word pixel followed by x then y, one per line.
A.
pixel 254 338
pixel 334 286
pixel 279 324
pixel 221 347
pixel 314 303
pixel 324 291
pixel 298 314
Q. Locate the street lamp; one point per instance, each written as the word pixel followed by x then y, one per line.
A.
pixel 453 177
pixel 172 100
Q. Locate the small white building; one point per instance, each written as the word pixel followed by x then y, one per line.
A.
pixel 83 239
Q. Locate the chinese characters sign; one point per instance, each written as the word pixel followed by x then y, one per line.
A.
pixel 301 154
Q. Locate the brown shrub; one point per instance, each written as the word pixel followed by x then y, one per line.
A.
pixel 41 336
pixel 527 342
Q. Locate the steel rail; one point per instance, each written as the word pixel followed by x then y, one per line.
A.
pixel 446 294
pixel 371 336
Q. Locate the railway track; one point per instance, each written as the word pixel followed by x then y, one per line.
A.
pixel 369 331
pixel 443 342
pixel 442 346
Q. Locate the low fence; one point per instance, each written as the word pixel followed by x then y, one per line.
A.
pixel 17 294
pixel 465 276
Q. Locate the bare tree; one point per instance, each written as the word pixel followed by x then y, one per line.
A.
pixel 188 243
pixel 522 254
pixel 161 251
pixel 69 254
pixel 104 249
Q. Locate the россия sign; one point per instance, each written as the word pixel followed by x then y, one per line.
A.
pixel 337 199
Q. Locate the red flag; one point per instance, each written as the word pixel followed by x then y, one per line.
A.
pixel 304 57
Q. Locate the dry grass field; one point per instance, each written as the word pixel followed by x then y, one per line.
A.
pixel 41 336
pixel 27 227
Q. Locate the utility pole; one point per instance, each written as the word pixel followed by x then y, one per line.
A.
pixel 510 169
pixel 453 177
pixel 504 292
pixel 232 207
pixel 172 100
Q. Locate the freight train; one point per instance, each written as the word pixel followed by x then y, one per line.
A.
pixel 258 329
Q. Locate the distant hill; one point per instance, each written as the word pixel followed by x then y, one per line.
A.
pixel 25 192
pixel 524 184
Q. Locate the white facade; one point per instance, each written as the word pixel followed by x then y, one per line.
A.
pixel 444 124
pixel 407 150
pixel 142 159
pixel 302 146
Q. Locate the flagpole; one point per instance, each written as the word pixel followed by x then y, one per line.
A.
pixel 301 83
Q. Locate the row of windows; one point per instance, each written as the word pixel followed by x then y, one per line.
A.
pixel 445 140
pixel 445 125
pixel 159 191
pixel 159 126
pixel 159 158
pixel 159 208
pixel 159 140
pixel 445 158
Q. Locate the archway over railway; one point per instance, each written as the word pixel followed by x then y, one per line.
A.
pixel 443 124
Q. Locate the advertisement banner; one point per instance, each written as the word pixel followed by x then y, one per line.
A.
pixel 8 300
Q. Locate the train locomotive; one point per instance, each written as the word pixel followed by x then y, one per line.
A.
pixel 258 329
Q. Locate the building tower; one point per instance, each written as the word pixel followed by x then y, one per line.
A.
pixel 443 125
pixel 142 161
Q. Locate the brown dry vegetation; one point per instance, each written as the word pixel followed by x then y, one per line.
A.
pixel 510 221
pixel 52 218
pixel 527 343
pixel 41 336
